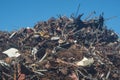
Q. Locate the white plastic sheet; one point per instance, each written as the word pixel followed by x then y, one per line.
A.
pixel 12 52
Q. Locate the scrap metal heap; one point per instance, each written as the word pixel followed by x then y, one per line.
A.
pixel 61 49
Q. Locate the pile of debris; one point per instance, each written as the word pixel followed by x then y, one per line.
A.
pixel 61 49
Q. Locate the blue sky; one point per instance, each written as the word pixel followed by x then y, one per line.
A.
pixel 15 14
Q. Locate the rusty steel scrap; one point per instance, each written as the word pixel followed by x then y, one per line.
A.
pixel 61 48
